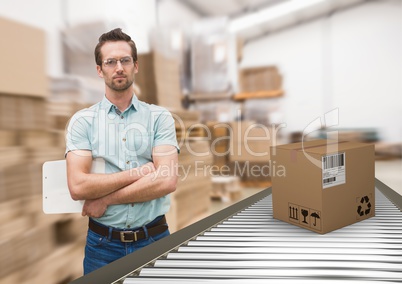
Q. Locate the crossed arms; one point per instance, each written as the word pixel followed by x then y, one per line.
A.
pixel 150 181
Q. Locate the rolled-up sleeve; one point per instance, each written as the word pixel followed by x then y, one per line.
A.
pixel 78 131
pixel 165 131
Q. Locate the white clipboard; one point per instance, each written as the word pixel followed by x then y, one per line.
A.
pixel 56 197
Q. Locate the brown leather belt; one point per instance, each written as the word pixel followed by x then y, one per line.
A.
pixel 130 236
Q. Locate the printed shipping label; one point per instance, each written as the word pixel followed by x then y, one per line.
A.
pixel 333 170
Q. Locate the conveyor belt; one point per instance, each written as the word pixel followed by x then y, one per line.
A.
pixel 249 246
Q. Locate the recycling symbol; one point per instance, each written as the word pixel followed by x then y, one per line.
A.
pixel 365 206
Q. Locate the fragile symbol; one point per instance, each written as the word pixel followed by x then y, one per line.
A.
pixel 305 214
pixel 364 207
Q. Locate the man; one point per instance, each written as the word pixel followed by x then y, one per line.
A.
pixel 137 141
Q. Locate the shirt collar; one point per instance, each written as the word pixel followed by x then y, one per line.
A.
pixel 109 106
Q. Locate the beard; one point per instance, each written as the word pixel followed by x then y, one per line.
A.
pixel 120 85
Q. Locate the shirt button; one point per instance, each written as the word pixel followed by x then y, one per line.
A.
pixel 128 226
pixel 128 162
pixel 124 139
pixel 121 117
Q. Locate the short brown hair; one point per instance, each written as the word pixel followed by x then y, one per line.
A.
pixel 114 35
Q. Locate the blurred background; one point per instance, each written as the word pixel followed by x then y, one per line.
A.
pixel 302 69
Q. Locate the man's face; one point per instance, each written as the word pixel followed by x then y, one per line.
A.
pixel 118 78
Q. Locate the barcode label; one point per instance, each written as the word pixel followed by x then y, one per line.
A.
pixel 333 161
pixel 327 180
pixel 333 170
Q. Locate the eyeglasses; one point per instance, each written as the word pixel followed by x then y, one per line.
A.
pixel 112 62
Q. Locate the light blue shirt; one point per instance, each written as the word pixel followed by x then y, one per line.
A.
pixel 125 141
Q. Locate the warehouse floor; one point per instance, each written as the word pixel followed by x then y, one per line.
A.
pixel 387 171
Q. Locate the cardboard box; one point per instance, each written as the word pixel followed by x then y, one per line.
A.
pixel 266 78
pixel 23 113
pixel 226 188
pixel 23 57
pixel 159 80
pixel 323 185
pixel 250 141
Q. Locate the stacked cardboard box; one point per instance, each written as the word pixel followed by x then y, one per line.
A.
pixel 59 114
pixel 250 142
pixel 145 78
pixel 19 180
pixel 187 124
pixel 226 188
pixel 172 42
pixel 241 149
pixel 159 80
pixel 25 49
pixel 8 138
pixel 219 133
pixel 385 150
pixel 249 152
pixel 191 200
pixel 17 252
pixel 22 112
pixel 34 246
pixel 63 265
pixel 29 237
pixel 259 79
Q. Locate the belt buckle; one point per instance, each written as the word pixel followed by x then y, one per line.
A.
pixel 123 236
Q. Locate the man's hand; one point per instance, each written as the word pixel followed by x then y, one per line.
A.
pixel 94 208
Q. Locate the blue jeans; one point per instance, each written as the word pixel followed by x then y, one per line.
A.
pixel 101 250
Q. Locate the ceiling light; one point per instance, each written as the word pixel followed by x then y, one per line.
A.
pixel 268 14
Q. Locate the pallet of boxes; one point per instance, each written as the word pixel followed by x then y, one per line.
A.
pixel 30 239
